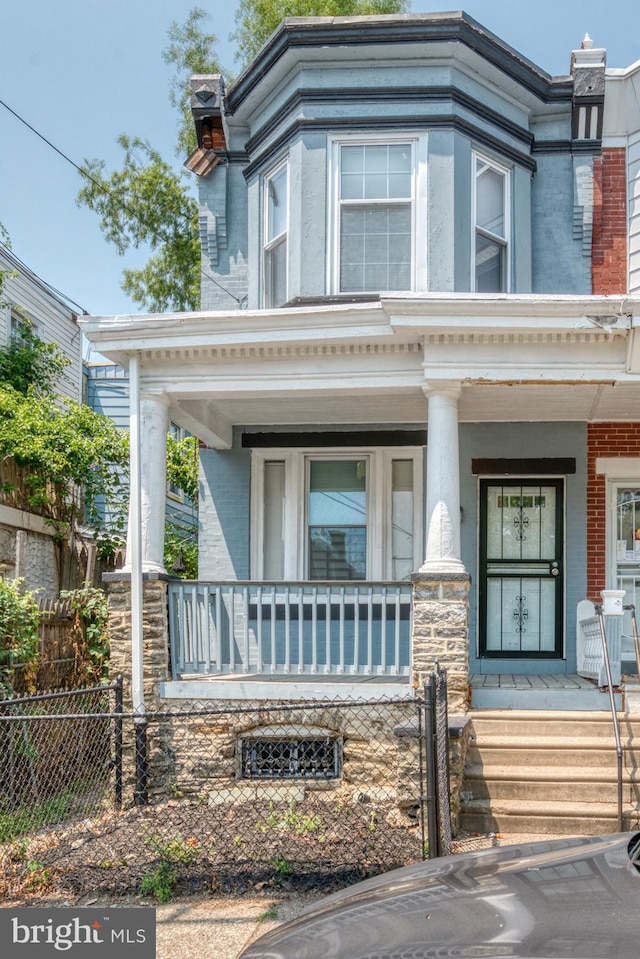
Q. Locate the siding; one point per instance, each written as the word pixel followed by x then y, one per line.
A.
pixel 54 319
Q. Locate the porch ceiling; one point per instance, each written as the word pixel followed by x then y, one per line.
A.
pixel 479 403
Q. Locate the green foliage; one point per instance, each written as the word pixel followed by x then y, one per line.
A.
pixel 172 853
pixel 181 550
pixel 300 825
pixel 160 882
pixel 182 465
pixel 256 20
pixel 19 631
pixel 62 448
pixel 27 362
pixel 190 50
pixel 28 817
pixel 147 203
pixel 89 605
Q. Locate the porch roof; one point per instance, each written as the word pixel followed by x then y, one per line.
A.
pixel 364 363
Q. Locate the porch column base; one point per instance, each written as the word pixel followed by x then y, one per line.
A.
pixel 440 632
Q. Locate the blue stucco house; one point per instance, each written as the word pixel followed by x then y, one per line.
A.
pixel 402 348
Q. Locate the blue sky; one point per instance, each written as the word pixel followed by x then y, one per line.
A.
pixel 82 72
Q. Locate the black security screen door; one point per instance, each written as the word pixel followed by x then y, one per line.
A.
pixel 521 576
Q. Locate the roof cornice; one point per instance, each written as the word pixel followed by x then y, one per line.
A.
pixel 338 32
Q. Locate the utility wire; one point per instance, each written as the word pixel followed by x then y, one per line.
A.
pixel 118 199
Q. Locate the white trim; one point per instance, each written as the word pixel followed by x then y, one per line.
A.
pixel 618 467
pixel 504 171
pixel 252 690
pixel 269 244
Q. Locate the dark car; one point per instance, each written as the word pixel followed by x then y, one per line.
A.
pixel 561 899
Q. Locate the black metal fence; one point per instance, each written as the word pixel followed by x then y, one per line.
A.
pixel 96 799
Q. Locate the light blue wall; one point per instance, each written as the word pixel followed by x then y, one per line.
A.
pixel 528 440
pixel 224 521
pixel 562 201
pixel 300 110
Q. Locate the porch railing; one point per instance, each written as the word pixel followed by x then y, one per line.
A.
pixel 589 650
pixel 360 629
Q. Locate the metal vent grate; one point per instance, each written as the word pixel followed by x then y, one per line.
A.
pixel 290 759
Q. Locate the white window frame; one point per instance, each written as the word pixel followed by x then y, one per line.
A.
pixel 270 244
pixel 379 492
pixel 419 204
pixel 477 156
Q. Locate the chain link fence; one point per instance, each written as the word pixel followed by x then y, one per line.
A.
pixel 218 798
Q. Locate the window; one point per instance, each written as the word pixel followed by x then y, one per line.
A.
pixel 337 516
pixel 275 241
pixel 377 193
pixel 337 519
pixel 491 246
pixel 281 757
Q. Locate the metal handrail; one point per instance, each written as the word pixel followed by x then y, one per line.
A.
pixel 614 711
pixel 636 642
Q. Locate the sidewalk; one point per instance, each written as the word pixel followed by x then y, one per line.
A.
pixel 219 928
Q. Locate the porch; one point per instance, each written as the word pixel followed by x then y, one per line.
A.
pixel 261 641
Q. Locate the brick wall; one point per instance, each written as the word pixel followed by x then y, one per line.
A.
pixel 604 439
pixel 609 240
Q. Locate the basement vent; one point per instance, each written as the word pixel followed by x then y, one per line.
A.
pixel 283 758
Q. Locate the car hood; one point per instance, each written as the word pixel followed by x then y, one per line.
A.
pixel 566 899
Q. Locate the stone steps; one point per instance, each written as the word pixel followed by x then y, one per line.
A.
pixel 548 772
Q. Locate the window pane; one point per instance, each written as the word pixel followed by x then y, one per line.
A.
pixel 276 275
pixel 337 552
pixel 337 492
pixel 490 261
pixel 401 519
pixel 375 248
pixel 337 515
pixel 277 204
pixel 490 201
pixel 273 532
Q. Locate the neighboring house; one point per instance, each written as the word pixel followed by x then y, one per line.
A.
pixel 415 370
pixel 107 392
pixel 27 548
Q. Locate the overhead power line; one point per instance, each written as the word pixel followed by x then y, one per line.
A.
pixel 117 198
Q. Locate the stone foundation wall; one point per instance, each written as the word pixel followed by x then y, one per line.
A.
pixel 196 751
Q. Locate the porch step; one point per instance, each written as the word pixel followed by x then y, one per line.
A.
pixel 546 818
pixel 548 772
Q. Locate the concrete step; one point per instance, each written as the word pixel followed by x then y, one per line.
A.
pixel 551 723
pixel 544 818
pixel 545 751
pixel 544 783
pixel 548 772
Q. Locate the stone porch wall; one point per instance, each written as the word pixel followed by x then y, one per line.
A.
pixel 198 755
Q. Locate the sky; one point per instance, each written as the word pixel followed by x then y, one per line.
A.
pixel 81 72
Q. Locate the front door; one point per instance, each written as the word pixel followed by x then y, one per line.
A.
pixel 521 581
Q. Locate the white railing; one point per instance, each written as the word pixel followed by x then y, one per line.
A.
pixel 589 652
pixel 360 629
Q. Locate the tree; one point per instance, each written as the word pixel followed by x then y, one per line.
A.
pixel 147 202
pixel 257 19
pixel 191 50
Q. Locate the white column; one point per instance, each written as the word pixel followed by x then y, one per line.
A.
pixel 443 481
pixel 154 425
